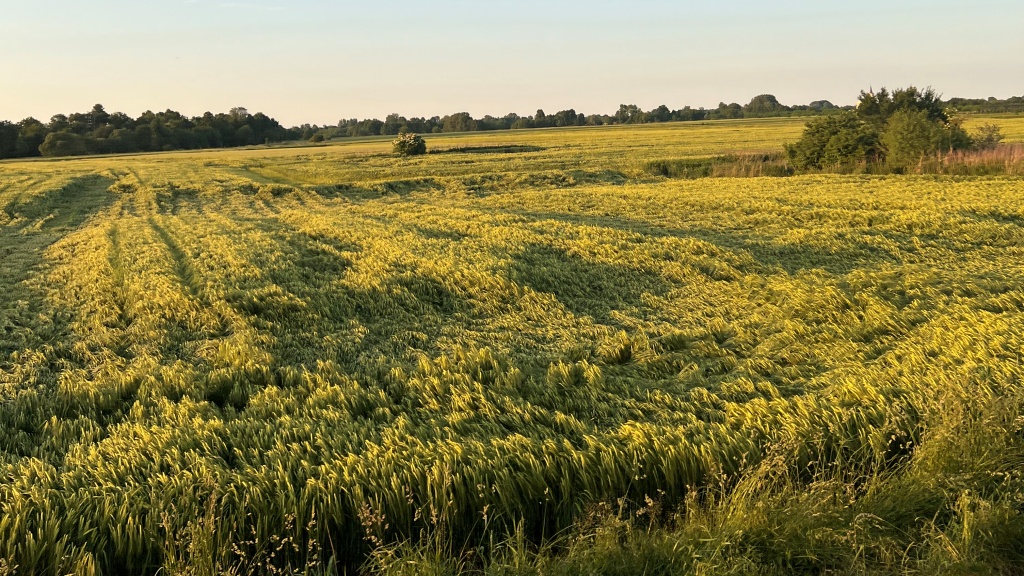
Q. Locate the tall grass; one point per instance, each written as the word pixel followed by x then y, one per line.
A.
pixel 1002 160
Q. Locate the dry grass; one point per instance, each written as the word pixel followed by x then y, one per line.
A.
pixel 1002 160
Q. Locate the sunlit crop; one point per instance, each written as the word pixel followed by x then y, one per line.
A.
pixel 309 352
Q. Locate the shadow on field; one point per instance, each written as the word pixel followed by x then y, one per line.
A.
pixel 362 193
pixel 35 225
pixel 408 311
pixel 585 287
pixel 62 208
pixel 434 232
pixel 479 184
pixel 317 312
pixel 320 257
pixel 792 258
pixel 514 181
pixel 511 149
pixel 995 217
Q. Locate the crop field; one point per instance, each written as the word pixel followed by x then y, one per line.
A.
pixel 277 360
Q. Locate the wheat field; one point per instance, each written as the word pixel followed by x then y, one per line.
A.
pixel 282 360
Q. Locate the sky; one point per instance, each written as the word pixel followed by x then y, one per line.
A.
pixel 314 61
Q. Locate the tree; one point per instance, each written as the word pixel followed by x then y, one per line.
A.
pixel 877 108
pixel 763 105
pixel 64 144
pixel 31 135
pixel 245 136
pixel 393 124
pixel 727 111
pixel 121 120
pixel 409 144
pixel 833 141
pixel 458 122
pixel 564 118
pixel 8 139
pixel 239 114
pixel 899 128
pixel 629 114
pixel 58 123
pixel 689 114
pixel 660 114
pixel 987 136
pixel 910 136
pixel 98 117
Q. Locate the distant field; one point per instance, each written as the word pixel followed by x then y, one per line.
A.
pixel 1012 126
pixel 342 347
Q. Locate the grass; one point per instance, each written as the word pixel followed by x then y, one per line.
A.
pixel 528 354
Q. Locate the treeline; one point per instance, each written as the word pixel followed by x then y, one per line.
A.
pixel 990 105
pixel 100 132
pixel 762 106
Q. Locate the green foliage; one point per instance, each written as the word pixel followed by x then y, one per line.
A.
pixel 987 136
pixel 909 136
pixel 834 141
pixel 409 144
pixel 990 105
pixel 727 111
pixel 459 122
pixel 117 132
pixel 99 132
pixel 65 144
pixel 752 165
pixel 877 108
pixel 8 139
pixel 763 105
pixel 897 129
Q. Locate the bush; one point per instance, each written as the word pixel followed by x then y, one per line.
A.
pixel 409 145
pixel 65 144
pixel 731 166
pixel 987 137
pixel 894 130
pixel 318 137
pixel 877 108
pixel 910 136
pixel 831 141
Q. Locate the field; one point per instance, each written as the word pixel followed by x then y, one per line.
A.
pixel 277 360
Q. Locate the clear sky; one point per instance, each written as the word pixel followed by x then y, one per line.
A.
pixel 317 61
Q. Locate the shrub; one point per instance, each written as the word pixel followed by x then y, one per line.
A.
pixel 318 137
pixel 877 108
pixel 987 137
pixel 909 136
pixel 895 129
pixel 832 141
pixel 65 144
pixel 730 166
pixel 409 144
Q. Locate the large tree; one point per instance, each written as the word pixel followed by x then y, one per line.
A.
pixel 896 128
pixel 763 105
pixel 458 122
pixel 832 141
pixel 8 139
